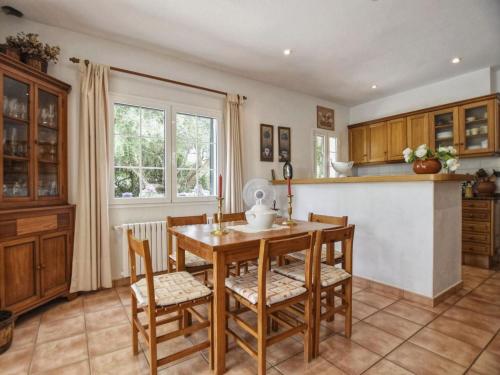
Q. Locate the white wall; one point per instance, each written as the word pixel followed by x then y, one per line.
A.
pixel 266 104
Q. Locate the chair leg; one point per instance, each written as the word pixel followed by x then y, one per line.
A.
pixel 187 320
pixel 317 321
pixel 237 305
pixel 135 331
pixel 348 310
pixel 153 363
pixel 261 341
pixel 211 335
pixel 330 301
pixel 308 341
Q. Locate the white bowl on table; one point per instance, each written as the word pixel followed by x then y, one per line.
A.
pixel 342 168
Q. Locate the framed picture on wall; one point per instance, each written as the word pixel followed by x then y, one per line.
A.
pixel 266 142
pixel 284 144
pixel 325 118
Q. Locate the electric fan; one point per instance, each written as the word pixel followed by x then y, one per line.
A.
pixel 259 189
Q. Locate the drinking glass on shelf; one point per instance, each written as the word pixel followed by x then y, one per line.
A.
pixel 23 111
pixel 13 108
pixel 5 105
pixel 51 115
pixel 44 115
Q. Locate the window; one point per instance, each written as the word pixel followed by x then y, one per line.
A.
pixel 139 152
pixel 325 148
pixel 196 156
pixel 144 134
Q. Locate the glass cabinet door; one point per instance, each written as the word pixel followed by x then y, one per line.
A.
pixel 444 126
pixel 477 127
pixel 16 138
pixel 47 144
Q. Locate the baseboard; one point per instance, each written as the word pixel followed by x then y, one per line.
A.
pixel 444 295
pixel 124 281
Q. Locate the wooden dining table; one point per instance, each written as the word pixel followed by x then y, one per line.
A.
pixel 222 251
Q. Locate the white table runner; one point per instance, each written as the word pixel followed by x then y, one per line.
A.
pixel 245 228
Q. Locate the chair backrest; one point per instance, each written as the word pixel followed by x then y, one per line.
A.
pixel 140 248
pixel 173 221
pixel 236 216
pixel 335 220
pixel 331 236
pixel 278 247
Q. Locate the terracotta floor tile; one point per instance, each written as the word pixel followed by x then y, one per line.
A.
pixel 471 282
pixel 475 271
pixel 59 353
pixel 374 339
pixel 25 335
pixel 456 297
pixel 385 367
pixel 109 339
pixel 79 368
pixel 474 319
pixel 361 310
pixel 439 309
pixel 169 347
pixel 494 346
pixel 121 362
pixel 479 306
pixel 413 313
pixel 423 362
pixel 360 283
pixel 338 324
pixel 492 281
pixel 487 364
pixel 57 329
pixel 347 355
pixel 297 366
pixel 105 318
pixel 197 365
pixel 63 310
pixel 16 362
pixel 461 331
pixel 284 350
pixel 455 350
pixel 393 324
pixel 101 300
pixel 373 299
pixel 238 362
pixel 487 293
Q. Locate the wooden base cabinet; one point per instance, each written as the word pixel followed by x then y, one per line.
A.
pixel 480 237
pixel 35 266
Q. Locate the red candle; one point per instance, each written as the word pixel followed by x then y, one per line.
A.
pixel 289 186
pixel 220 186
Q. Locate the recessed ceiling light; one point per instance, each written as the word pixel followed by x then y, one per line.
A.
pixel 456 60
pixel 374 87
pixel 287 52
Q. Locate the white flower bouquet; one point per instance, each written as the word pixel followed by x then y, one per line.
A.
pixel 447 156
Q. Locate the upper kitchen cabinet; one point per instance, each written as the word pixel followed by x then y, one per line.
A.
pixel 477 128
pixel 396 138
pixel 377 142
pixel 417 130
pixel 358 144
pixel 444 128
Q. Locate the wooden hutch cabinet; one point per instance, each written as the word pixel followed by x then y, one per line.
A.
pixel 36 221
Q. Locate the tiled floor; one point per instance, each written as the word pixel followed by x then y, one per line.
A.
pixel 91 335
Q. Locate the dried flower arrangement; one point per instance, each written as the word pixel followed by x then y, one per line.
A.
pixel 33 51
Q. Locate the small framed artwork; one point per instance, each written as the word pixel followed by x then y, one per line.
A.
pixel 266 142
pixel 284 143
pixel 325 118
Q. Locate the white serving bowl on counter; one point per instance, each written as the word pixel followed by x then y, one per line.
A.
pixel 342 168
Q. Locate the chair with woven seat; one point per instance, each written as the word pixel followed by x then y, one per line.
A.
pixel 327 279
pixel 273 297
pixel 193 263
pixel 235 216
pixel 160 296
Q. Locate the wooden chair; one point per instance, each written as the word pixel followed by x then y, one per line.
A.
pixel 164 294
pixel 327 279
pixel 272 297
pixel 194 264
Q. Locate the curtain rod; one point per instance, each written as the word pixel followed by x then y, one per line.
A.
pixel 76 60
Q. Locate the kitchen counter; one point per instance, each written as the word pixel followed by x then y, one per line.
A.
pixel 408 234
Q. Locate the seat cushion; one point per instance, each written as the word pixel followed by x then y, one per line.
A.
pixel 278 287
pixel 170 289
pixel 301 255
pixel 191 260
pixel 329 274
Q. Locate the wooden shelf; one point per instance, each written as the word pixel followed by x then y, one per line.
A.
pixel 478 121
pixel 476 136
pixel 48 127
pixel 18 158
pixel 444 126
pixel 15 120
pixel 48 161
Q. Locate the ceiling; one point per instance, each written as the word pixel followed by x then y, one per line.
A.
pixel 340 48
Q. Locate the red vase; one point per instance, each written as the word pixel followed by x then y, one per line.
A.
pixel 429 166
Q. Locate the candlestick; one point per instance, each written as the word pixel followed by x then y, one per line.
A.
pixel 220 186
pixel 219 231
pixel 289 186
pixel 289 221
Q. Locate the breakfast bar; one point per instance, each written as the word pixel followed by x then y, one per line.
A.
pixel 408 228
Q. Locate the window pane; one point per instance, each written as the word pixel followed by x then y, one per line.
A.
pixel 319 156
pixel 127 119
pixel 186 183
pixel 153 183
pixel 153 123
pixel 127 182
pixel 127 151
pixel 206 182
pixel 205 129
pixel 187 155
pixel 153 152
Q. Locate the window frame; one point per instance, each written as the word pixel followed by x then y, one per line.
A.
pixel 170 167
pixel 327 134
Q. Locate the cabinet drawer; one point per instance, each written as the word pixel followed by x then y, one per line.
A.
pixel 476 204
pixel 476 237
pixel 475 248
pixel 471 226
pixel 476 215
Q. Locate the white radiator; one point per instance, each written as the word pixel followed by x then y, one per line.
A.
pixel 156 233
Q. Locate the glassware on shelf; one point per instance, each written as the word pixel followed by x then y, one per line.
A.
pixel 6 102
pixel 51 115
pixel 13 108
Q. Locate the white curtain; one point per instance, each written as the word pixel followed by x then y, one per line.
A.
pixel 91 257
pixel 233 163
